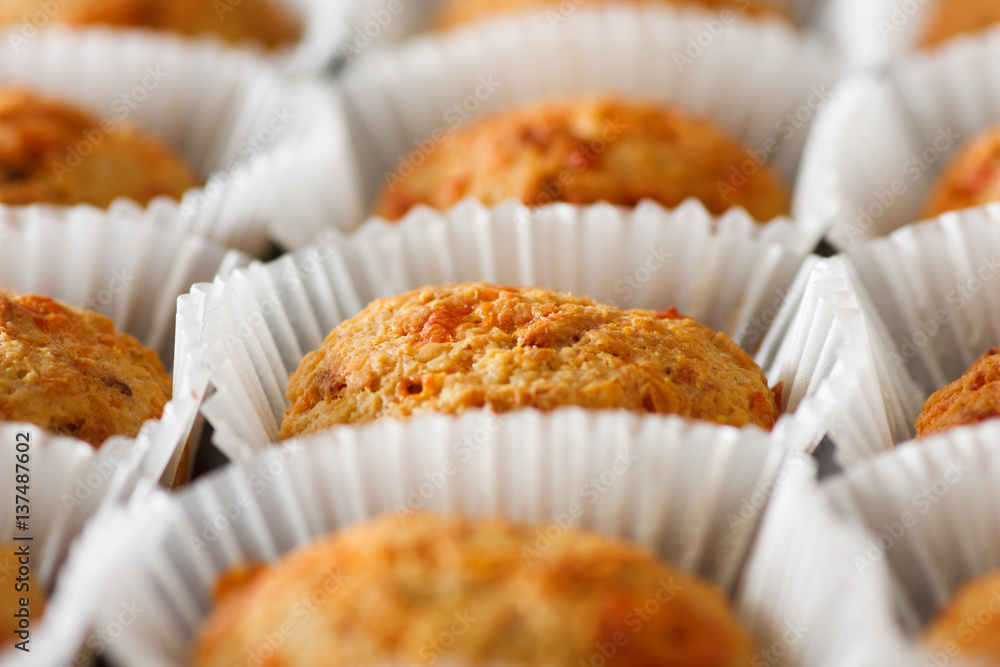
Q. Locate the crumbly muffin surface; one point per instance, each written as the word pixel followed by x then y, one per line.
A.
pixel 454 13
pixel 53 153
pixel 947 19
pixel 971 179
pixel 973 398
pixel 68 371
pixel 585 151
pixel 451 348
pixel 265 22
pixel 426 590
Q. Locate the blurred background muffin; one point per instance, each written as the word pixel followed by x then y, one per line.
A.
pixel 265 22
pixel 453 13
pixel 453 348
pixel 969 625
pixel 584 151
pixel 950 18
pixel 973 398
pixel 422 589
pixel 54 153
pixel 971 179
pixel 68 371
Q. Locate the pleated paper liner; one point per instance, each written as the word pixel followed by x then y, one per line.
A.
pixel 131 272
pixel 760 81
pixel 253 327
pixel 68 483
pixel 801 589
pixel 256 137
pixel 879 145
pixel 930 513
pixel 678 493
pixel 830 346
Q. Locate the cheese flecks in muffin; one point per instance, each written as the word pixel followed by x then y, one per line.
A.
pixel 973 398
pixel 265 22
pixel 455 13
pixel 452 348
pixel 54 153
pixel 68 371
pixel 391 589
pixel 585 151
pixel 971 179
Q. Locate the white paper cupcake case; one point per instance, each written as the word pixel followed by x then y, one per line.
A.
pixel 253 327
pixel 748 81
pixel 131 272
pixel 880 144
pixel 681 488
pixel 69 484
pixel 928 516
pixel 801 589
pixel 255 136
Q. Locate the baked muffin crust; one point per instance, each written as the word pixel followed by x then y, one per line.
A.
pixel 969 623
pixel 451 348
pixel 391 589
pixel 971 179
pixel 68 371
pixel 584 151
pixel 53 153
pixel 454 13
pixel 266 22
pixel 973 398
pixel 947 19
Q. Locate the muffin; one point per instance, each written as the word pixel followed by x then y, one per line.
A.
pixel 973 398
pixel 452 348
pixel 426 590
pixel 969 626
pixel 267 23
pixel 53 153
pixel 68 371
pixel 950 18
pixel 453 13
pixel 972 178
pixel 14 588
pixel 585 151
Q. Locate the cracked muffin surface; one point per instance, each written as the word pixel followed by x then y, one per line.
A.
pixel 68 371
pixel 973 398
pixel 456 347
pixel 584 151
pixel 426 589
pixel 54 153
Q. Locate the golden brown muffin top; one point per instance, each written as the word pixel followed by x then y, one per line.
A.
pixel 10 598
pixel 451 348
pixel 950 18
pixel 426 589
pixel 454 13
pixel 54 153
pixel 68 371
pixel 971 179
pixel 584 151
pixel 973 398
pixel 969 624
pixel 266 22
